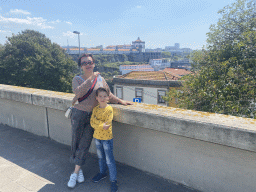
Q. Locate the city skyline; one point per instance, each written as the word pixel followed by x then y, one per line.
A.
pixel 158 23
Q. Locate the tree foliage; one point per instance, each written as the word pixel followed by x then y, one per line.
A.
pixel 102 59
pixel 166 54
pixel 173 56
pixel 29 59
pixel 225 80
pixel 198 58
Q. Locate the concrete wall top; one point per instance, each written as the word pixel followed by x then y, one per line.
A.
pixel 228 130
pixel 51 99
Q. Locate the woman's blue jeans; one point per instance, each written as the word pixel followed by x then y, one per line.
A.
pixel 106 157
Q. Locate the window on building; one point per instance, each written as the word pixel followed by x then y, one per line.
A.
pixel 119 92
pixel 139 93
pixel 160 94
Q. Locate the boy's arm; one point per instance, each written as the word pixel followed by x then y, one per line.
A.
pixel 109 119
pixel 95 123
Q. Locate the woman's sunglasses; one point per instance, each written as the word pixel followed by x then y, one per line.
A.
pixel 87 63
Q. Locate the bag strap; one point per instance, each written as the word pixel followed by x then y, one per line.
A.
pixel 89 92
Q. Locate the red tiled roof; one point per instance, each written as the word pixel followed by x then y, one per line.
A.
pixel 150 75
pixel 108 49
pixel 114 46
pixel 93 49
pixel 123 49
pixel 179 72
pixel 138 69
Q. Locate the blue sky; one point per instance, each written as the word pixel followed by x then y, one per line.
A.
pixel 159 23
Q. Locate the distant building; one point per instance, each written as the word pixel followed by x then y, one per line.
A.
pixel 181 64
pixel 176 50
pixel 139 45
pixel 120 47
pixel 175 47
pixel 155 62
pixel 129 68
pixel 160 64
pixel 146 85
pixel 135 52
pixel 166 62
pixel 154 50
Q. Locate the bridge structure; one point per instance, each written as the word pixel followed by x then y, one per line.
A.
pixel 134 54
pixel 203 151
pixel 75 51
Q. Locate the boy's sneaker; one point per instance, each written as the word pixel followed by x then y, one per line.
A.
pixel 114 187
pixel 72 180
pixel 99 177
pixel 80 176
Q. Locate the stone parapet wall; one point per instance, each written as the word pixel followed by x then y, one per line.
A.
pixel 39 97
pixel 228 130
pixel 205 151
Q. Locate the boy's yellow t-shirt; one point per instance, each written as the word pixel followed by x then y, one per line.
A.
pixel 98 118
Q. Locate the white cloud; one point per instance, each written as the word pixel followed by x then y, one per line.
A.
pixel 69 34
pixel 2 31
pixel 57 21
pixel 138 6
pixel 34 21
pixel 19 11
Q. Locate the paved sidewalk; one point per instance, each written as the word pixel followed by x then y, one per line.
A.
pixel 32 163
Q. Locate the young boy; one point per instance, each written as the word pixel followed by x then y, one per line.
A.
pixel 101 121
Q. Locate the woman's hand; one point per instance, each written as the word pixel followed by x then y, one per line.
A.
pixel 123 102
pixel 96 73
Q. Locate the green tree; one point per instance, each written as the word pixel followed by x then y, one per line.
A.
pixel 225 81
pixel 1 47
pixel 166 54
pixel 31 60
pixel 198 58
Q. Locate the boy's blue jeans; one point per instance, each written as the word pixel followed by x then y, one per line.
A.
pixel 106 157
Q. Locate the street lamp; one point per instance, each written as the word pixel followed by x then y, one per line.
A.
pixel 76 32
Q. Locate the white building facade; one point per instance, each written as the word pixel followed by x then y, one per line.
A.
pixel 149 95
pixel 150 87
pixel 155 62
pixel 128 68
pixel 160 64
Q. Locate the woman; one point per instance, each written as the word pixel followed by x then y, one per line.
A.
pixel 82 132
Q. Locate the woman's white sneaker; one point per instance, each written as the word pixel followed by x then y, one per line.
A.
pixel 72 180
pixel 80 177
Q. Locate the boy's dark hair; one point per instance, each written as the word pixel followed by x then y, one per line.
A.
pixel 84 55
pixel 101 89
